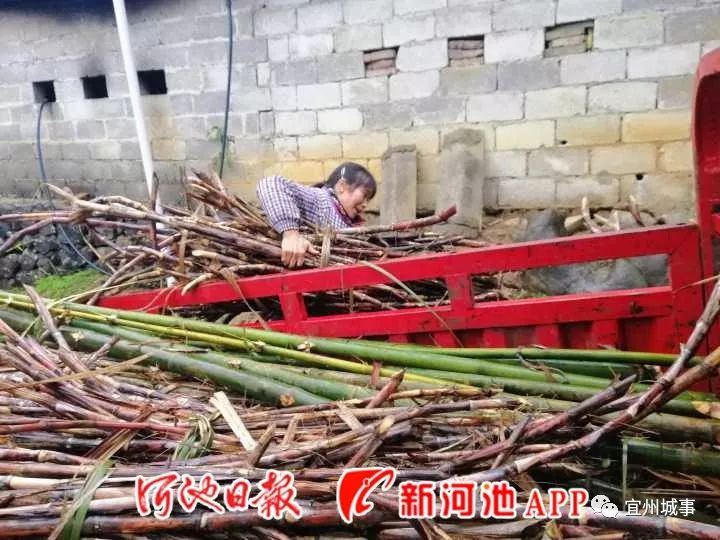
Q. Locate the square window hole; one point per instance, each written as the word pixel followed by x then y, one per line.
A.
pixel 152 82
pixel 44 91
pixel 466 51
pixel 571 38
pixel 380 62
pixel 95 87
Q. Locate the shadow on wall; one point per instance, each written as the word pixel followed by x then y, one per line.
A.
pixel 71 9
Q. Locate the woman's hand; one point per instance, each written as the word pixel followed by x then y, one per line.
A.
pixel 294 246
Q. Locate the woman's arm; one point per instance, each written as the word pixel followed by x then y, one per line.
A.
pixel 287 205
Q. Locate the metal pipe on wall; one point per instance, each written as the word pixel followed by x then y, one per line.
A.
pixel 134 88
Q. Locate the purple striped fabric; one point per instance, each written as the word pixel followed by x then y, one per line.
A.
pixel 289 205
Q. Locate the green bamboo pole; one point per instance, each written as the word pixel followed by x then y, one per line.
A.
pixel 546 389
pixel 664 456
pixel 262 389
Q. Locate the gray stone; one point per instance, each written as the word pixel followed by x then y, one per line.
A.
pixel 663 61
pixel 529 75
pixel 408 29
pixel 358 38
pixel 637 30
pixel 697 25
pixel 274 21
pixel 310 45
pixel 514 45
pixel 438 110
pixel 463 22
pixel 579 10
pixel 90 129
pixel 515 16
pixel 341 67
pixel 455 81
pixel 399 173
pixel 248 51
pixel 388 115
pixel 462 170
pixel 317 16
pixel 365 91
pixel 675 93
pixel 575 278
pixel 291 73
pixel 360 11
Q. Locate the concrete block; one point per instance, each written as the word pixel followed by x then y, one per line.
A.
pixel 248 51
pixel 593 67
pixel 341 67
pixel 75 151
pixel 580 10
pixel 365 91
pixel 358 38
pixel 364 145
pixel 526 193
pixel 462 170
pixel 130 150
pixel 263 73
pixel 403 7
pixel 90 129
pixel 438 110
pixel 463 22
pixel 215 78
pixel 675 93
pixel 425 140
pixel 105 150
pixel 298 72
pixel 529 75
pixel 621 32
pixel 361 11
pixel 279 49
pixel 663 194
pixel 555 102
pixel 93 109
pixel 514 45
pixel 268 22
pixel 696 25
pixel 209 103
pixel 284 98
pixel 306 172
pixel 663 61
pixel 600 191
pixel 406 30
pixel 458 81
pixel 190 127
pixel 318 16
pixel 320 147
pixel 310 45
pixel 656 126
pixel 423 56
pixel 318 96
pixel 656 5
pixel 588 131
pixel 399 173
pixel 623 159
pixel 183 81
pixel 388 115
pixel 120 128
pixel 519 16
pixel 11 94
pixel 525 135
pixel 340 120
pixel 286 148
pixel 414 85
pixel 505 164
pixel 295 123
pixel 676 156
pixel 622 97
pixel 61 130
pixel 498 106
pixel 251 99
pixel 558 162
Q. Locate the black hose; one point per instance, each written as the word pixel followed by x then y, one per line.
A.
pixel 58 227
pixel 227 91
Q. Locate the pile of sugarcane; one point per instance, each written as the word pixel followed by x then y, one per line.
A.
pixel 221 236
pixel 93 397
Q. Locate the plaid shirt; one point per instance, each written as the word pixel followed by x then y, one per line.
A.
pixel 289 205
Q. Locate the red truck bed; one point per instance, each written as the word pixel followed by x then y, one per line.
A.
pixel 648 319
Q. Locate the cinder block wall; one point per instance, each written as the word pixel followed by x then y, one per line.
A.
pixel 606 123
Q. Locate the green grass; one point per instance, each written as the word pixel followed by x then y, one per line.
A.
pixel 56 287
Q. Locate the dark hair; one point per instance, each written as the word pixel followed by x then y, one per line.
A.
pixel 355 176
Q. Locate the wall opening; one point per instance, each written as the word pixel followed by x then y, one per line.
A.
pixel 95 87
pixel 466 51
pixel 152 82
pixel 380 62
pixel 571 38
pixel 44 91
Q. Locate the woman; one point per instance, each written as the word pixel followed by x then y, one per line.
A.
pixel 337 203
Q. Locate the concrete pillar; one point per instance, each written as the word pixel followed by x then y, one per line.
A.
pixel 461 176
pixel 399 184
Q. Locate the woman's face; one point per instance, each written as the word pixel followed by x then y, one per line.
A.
pixel 353 199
